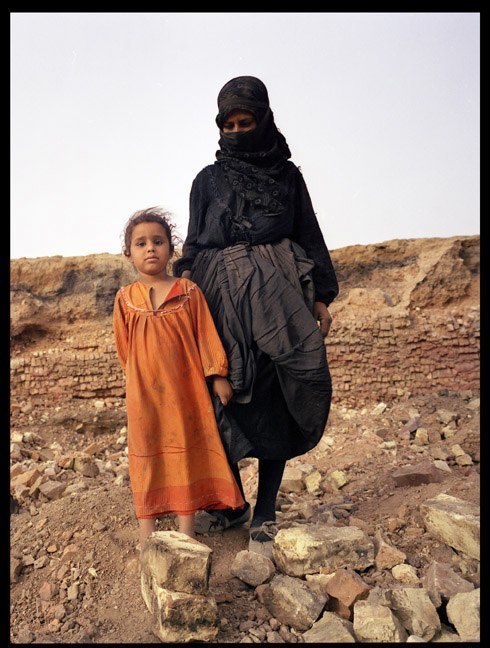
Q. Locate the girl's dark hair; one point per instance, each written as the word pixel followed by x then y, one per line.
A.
pixel 150 215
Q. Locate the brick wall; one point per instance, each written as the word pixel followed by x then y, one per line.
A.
pixel 371 359
pixel 416 353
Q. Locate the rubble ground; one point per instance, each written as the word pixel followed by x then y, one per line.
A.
pixel 74 555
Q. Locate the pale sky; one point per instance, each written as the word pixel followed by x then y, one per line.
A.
pixel 114 112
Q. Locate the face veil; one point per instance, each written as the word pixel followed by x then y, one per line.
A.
pixel 265 145
pixel 253 162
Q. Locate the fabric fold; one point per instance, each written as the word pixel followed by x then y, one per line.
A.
pixel 261 299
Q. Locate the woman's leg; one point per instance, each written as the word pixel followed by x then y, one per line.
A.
pixel 270 477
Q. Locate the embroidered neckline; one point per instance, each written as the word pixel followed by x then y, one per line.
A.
pixel 183 298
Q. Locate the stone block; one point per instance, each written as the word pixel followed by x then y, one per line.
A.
pixel 454 521
pixel 330 629
pixel 463 611
pixel 311 549
pixel 252 568
pixel 292 480
pixel 421 473
pixel 442 580
pixel 180 617
pixel 415 610
pixel 344 589
pixel 376 623
pixel 177 562
pixel 292 602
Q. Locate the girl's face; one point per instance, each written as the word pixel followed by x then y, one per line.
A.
pixel 239 121
pixel 150 249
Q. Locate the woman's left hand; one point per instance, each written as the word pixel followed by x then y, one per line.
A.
pixel 321 314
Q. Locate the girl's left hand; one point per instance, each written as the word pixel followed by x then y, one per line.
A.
pixel 222 389
pixel 321 314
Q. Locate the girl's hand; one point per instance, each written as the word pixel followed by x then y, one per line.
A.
pixel 320 311
pixel 222 389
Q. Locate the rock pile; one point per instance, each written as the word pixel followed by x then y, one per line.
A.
pixel 383 509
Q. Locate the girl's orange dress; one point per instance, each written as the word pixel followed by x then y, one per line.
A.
pixel 177 463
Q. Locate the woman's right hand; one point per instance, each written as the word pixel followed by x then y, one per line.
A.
pixel 186 274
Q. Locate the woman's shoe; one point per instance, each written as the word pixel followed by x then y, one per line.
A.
pixel 262 539
pixel 219 521
pixel 265 532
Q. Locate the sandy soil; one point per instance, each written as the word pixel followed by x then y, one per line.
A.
pixel 93 592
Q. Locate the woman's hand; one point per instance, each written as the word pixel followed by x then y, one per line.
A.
pixel 186 274
pixel 222 389
pixel 320 311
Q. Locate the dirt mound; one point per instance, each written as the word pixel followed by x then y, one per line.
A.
pixel 48 292
pixel 409 273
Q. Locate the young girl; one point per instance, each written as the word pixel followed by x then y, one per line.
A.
pixel 168 348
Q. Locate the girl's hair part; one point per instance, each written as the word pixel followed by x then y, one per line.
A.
pixel 150 215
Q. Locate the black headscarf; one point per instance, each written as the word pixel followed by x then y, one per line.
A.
pixel 253 162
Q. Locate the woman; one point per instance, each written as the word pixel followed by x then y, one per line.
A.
pixel 255 248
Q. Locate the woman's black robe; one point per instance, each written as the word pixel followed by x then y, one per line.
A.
pixel 260 274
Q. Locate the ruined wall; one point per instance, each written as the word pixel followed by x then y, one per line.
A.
pixel 406 322
pixel 405 354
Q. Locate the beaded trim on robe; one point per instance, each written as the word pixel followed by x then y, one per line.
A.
pixel 160 311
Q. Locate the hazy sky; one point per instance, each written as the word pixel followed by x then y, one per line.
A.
pixel 114 112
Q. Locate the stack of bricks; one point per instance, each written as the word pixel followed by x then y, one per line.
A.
pixel 370 358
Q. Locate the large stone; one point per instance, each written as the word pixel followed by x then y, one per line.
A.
pixel 415 610
pixel 379 596
pixel 312 481
pixel 446 416
pixel 344 589
pixel 292 602
pixel 52 489
pixel 292 480
pixel 338 478
pixel 85 465
pixel 178 616
pixel 318 582
pixel 377 623
pixel 311 549
pixel 330 629
pixel 177 562
pixel 405 574
pixel 252 568
pixel 422 473
pixel 26 478
pixel 444 581
pixel 386 555
pixel 463 611
pixel 446 635
pixel 455 522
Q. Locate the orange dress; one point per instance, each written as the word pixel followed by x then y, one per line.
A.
pixel 177 463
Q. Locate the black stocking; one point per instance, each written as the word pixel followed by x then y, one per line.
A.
pixel 270 476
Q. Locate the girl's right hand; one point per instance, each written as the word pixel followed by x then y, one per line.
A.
pixel 222 389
